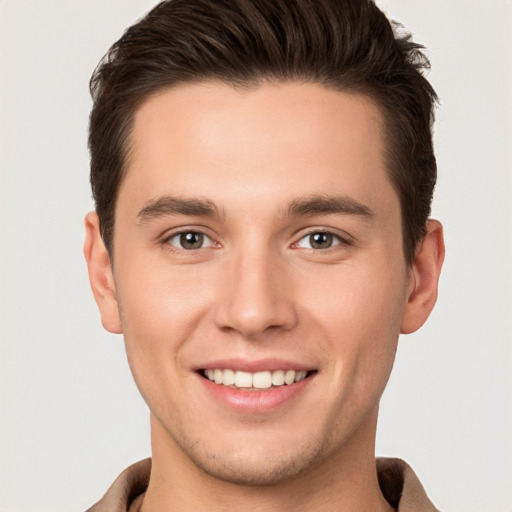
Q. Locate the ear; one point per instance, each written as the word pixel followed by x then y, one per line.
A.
pixel 424 278
pixel 100 275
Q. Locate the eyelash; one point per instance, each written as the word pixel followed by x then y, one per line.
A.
pixel 167 240
pixel 337 239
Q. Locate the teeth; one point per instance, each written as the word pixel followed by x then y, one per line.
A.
pixel 217 376
pixel 259 380
pixel 278 378
pixel 289 377
pixel 243 380
pixel 300 376
pixel 262 380
pixel 228 378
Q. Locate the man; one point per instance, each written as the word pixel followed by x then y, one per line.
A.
pixel 263 172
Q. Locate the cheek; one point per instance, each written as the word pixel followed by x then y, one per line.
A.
pixel 160 297
pixel 159 315
pixel 352 298
pixel 359 316
pixel 159 310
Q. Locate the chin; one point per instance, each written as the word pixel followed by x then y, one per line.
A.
pixel 260 467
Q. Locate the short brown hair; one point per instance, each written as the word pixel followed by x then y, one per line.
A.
pixel 348 45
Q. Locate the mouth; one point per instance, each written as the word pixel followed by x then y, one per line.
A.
pixel 258 381
pixel 256 387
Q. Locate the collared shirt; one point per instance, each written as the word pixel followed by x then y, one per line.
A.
pixel 398 483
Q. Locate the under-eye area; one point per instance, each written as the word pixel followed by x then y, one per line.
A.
pixel 255 381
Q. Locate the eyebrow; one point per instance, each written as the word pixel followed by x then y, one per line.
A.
pixel 172 205
pixel 308 206
pixel 325 205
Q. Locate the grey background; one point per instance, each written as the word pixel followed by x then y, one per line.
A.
pixel 71 418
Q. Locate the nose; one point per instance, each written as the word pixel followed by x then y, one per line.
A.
pixel 256 297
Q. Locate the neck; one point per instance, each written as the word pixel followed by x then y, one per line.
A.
pixel 346 481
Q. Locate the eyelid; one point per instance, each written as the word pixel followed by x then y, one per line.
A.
pixel 176 232
pixel 344 240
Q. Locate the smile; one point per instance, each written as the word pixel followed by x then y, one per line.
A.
pixel 254 381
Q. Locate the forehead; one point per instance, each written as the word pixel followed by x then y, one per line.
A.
pixel 284 139
pixel 213 113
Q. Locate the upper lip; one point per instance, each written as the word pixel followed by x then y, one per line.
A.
pixel 254 366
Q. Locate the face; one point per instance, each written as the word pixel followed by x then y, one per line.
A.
pixel 259 275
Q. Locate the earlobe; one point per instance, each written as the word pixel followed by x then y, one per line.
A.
pixel 423 285
pixel 100 275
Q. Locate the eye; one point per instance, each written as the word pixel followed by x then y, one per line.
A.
pixel 319 240
pixel 190 240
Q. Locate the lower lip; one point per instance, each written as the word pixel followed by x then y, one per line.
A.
pixel 254 402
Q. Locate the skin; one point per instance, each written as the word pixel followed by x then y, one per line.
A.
pixel 257 289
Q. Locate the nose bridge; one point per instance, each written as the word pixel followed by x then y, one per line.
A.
pixel 256 294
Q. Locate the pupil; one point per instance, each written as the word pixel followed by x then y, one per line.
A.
pixel 320 240
pixel 191 240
